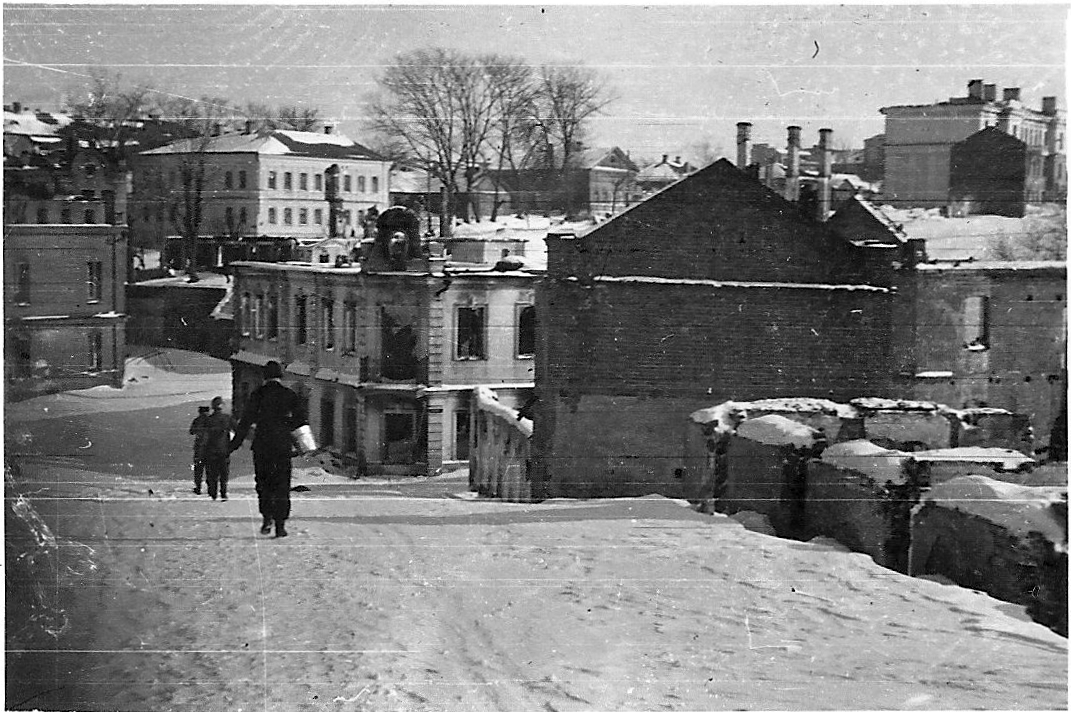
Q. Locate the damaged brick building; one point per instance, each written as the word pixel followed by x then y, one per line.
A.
pixel 716 287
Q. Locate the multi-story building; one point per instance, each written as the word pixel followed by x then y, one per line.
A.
pixel 64 307
pixel 256 184
pixel 919 140
pixel 386 355
pixel 994 173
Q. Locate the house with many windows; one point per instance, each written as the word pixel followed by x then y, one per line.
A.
pixel 387 352
pixel 64 307
pixel 256 185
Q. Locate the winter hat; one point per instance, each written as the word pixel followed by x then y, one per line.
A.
pixel 217 402
pixel 272 369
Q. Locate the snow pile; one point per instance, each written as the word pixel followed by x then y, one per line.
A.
pixel 997 457
pixel 870 403
pixel 877 463
pixel 777 430
pixel 1021 510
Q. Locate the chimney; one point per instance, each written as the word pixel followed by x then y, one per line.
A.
pixel 665 158
pixel 974 89
pixel 1011 94
pixel 678 160
pixel 1048 105
pixel 825 173
pixel 743 144
pixel 217 128
pixel 328 128
pixel 16 107
pixel 989 92
pixel 248 126
pixel 792 169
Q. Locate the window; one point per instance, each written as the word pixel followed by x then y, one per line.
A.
pixel 19 353
pixel 318 216
pixel 327 420
pixel 360 183
pixel 346 184
pixel 94 276
pixel 65 216
pixel 526 330
pixel 246 319
pixel 258 316
pixel 303 181
pixel 347 216
pixel 303 216
pixel 22 283
pixel 42 216
pixel 375 184
pixel 90 170
pixel 242 217
pixel 976 323
pixel 349 428
pixel 89 217
pixel 273 317
pixel 288 216
pixel 461 435
pixel 288 181
pixel 228 180
pixel 301 320
pixel 318 181
pixel 96 351
pixel 172 214
pixel 241 179
pixel 229 218
pixel 398 438
pixel 470 333
pixel 327 323
pixel 349 328
pixel 272 217
pixel 271 179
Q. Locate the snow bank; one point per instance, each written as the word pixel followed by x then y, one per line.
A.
pixel 1021 510
pixel 777 430
pixel 877 463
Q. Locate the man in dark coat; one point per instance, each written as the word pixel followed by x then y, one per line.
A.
pixel 218 430
pixel 197 430
pixel 275 410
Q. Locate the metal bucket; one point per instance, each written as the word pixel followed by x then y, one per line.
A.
pixel 306 444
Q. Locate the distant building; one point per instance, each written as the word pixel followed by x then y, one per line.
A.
pixel 919 141
pixel 387 352
pixel 257 184
pixel 653 178
pixel 994 173
pixel 874 158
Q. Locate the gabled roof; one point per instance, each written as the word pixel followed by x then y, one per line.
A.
pixel 860 222
pixel 293 143
pixel 992 135
pixel 612 157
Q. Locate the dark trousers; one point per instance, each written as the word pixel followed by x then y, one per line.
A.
pixel 217 472
pixel 198 472
pixel 272 474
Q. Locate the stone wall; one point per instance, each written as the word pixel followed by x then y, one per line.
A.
pixel 499 451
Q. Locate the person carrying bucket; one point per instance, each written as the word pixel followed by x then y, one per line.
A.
pixel 275 411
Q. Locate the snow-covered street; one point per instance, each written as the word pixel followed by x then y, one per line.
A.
pixel 416 595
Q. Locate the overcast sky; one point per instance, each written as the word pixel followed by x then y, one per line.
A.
pixel 683 74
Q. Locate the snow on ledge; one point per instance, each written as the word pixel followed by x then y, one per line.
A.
pixel 776 429
pixel 934 374
pixel 486 400
pixel 637 279
pixel 1017 508
pixel 1002 458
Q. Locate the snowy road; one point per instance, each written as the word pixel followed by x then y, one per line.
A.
pixel 417 596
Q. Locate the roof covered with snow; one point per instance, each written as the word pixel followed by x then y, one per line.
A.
pixel 1019 509
pixel 877 463
pixel 776 429
pixel 294 143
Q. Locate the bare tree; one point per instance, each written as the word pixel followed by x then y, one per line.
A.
pixel 516 101
pixel 297 118
pixel 204 119
pixel 568 96
pixel 109 108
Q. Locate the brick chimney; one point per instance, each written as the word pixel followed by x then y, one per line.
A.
pixel 1048 105
pixel 792 169
pixel 1011 94
pixel 743 144
pixel 989 92
pixel 16 107
pixel 248 126
pixel 328 128
pixel 974 89
pixel 825 173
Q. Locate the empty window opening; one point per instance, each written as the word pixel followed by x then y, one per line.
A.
pixel 471 337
